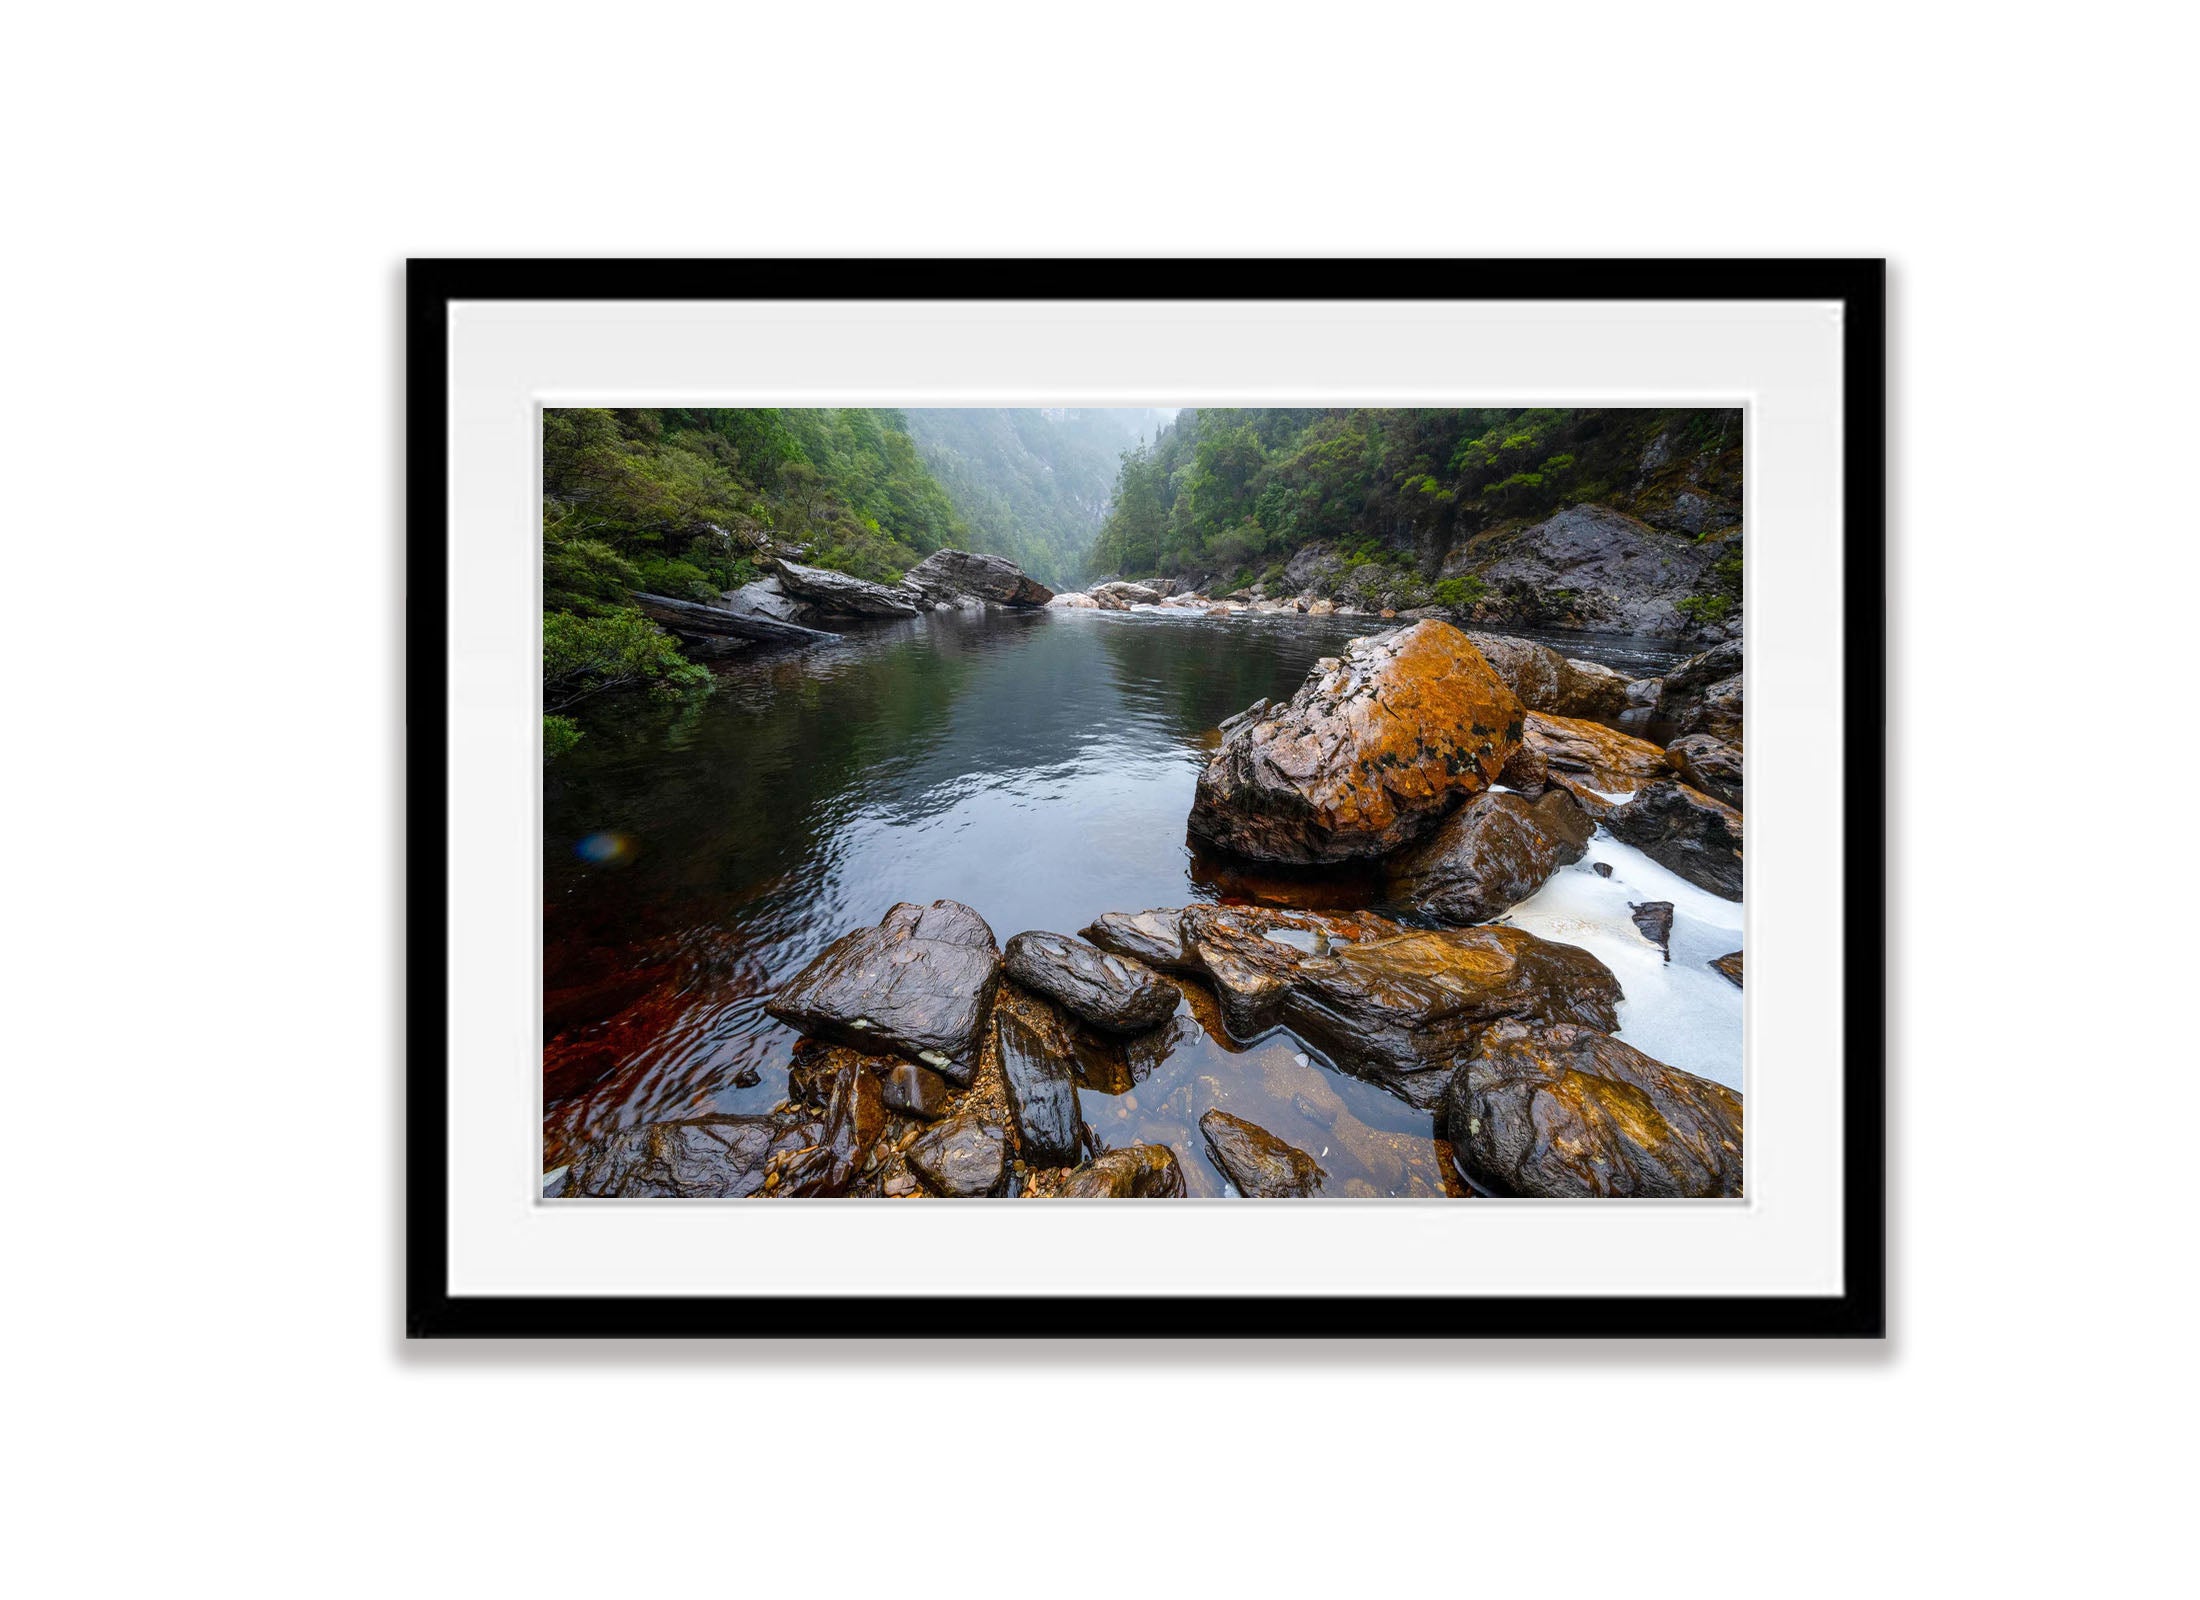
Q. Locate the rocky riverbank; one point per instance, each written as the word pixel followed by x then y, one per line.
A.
pixel 1460 773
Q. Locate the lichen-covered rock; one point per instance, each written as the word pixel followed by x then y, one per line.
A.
pixel 1570 1112
pixel 1729 967
pixel 1401 1007
pixel 917 985
pixel 1112 992
pixel 841 594
pixel 1139 1172
pixel 1678 827
pixel 1709 763
pixel 1598 766
pixel 1492 852
pixel 962 1156
pixel 1260 1165
pixel 1368 755
pixel 949 576
pixel 1546 681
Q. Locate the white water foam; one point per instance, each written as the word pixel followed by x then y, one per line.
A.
pixel 1683 1013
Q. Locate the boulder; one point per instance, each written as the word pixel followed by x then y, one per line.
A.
pixel 841 595
pixel 1260 1165
pixel 1039 1068
pixel 1544 680
pixel 1704 694
pixel 1599 766
pixel 765 598
pixel 1112 992
pixel 1321 608
pixel 855 1116
pixel 947 577
pixel 1729 967
pixel 1139 1172
pixel 1490 853
pixel 816 1068
pixel 1074 602
pixel 962 1156
pixel 1678 827
pixel 1400 1007
pixel 699 1158
pixel 1709 763
pixel 1369 754
pixel 1121 595
pixel 1570 1112
pixel 917 985
pixel 1155 938
pixel 1592 567
pixel 1653 919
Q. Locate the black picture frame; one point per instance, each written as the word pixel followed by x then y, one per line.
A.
pixel 432 1311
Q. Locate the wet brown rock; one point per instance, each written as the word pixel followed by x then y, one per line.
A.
pixel 1593 756
pixel 1119 994
pixel 1490 853
pixel 1155 938
pixel 917 985
pixel 1710 764
pixel 960 1157
pixel 701 1158
pixel 1546 681
pixel 1402 1007
pixel 816 1067
pixel 1704 694
pixel 1566 1112
pixel 1729 967
pixel 915 1091
pixel 1654 919
pixel 1368 755
pixel 1038 1066
pixel 1260 1165
pixel 1688 831
pixel 854 1119
pixel 1141 1172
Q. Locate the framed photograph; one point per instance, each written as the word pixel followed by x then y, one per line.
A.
pixel 1171 798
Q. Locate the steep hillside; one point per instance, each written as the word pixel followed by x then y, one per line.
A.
pixel 1032 484
pixel 1475 509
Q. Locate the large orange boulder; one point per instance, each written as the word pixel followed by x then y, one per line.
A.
pixel 1372 751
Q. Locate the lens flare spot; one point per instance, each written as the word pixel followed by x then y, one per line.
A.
pixel 605 849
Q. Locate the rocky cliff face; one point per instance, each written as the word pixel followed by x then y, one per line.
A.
pixel 1593 567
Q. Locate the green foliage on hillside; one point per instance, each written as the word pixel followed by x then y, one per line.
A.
pixel 1032 484
pixel 1232 494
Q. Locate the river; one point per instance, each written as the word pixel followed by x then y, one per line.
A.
pixel 1037 766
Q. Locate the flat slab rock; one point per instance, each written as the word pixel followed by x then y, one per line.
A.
pixel 701 1158
pixel 1491 853
pixel 1678 827
pixel 827 590
pixel 1140 1172
pixel 1593 755
pixel 1368 755
pixel 917 985
pixel 1260 1165
pixel 1113 992
pixel 1569 1112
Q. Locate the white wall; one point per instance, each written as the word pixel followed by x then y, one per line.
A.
pixel 207 209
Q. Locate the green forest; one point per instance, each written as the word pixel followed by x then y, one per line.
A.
pixel 1232 494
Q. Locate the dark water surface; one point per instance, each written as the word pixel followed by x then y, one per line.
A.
pixel 1038 766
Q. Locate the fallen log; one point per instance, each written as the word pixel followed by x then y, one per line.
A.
pixel 686 618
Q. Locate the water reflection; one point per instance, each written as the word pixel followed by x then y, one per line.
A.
pixel 1037 766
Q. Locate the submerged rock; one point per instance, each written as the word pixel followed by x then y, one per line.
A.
pixel 1368 755
pixel 948 576
pixel 916 985
pixel 1729 967
pixel 1140 1172
pixel 699 1158
pixel 1570 1112
pixel 1261 1165
pixel 1710 764
pixel 1401 1007
pixel 962 1156
pixel 1112 992
pixel 1654 918
pixel 916 1091
pixel 1678 827
pixel 1039 1068
pixel 837 592
pixel 1492 852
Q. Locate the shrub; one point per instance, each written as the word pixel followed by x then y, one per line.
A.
pixel 1461 592
pixel 559 734
pixel 582 656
